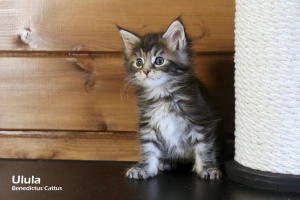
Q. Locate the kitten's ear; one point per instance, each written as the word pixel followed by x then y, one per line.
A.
pixel 130 39
pixel 175 35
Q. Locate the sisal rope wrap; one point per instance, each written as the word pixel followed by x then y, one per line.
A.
pixel 267 85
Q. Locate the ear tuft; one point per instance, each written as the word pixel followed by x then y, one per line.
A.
pixel 175 36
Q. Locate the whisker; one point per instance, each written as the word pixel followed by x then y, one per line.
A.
pixel 125 82
pixel 125 89
pixel 125 85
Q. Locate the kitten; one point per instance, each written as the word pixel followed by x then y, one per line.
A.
pixel 176 122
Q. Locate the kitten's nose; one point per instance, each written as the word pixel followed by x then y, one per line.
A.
pixel 146 72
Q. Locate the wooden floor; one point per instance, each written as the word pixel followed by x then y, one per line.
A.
pixel 105 180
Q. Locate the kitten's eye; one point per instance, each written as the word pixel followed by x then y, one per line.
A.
pixel 139 62
pixel 159 61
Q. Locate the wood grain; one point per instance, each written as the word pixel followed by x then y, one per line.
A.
pixel 62 25
pixel 69 146
pixel 59 94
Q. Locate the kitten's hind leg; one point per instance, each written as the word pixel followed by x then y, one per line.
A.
pixel 166 165
pixel 205 162
pixel 147 167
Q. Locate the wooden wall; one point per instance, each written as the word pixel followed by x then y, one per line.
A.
pixel 63 91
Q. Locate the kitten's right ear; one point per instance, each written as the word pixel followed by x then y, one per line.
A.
pixel 130 39
pixel 175 35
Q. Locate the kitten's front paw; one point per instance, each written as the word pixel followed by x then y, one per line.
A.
pixel 209 173
pixel 138 172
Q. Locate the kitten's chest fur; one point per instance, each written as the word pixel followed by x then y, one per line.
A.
pixel 160 109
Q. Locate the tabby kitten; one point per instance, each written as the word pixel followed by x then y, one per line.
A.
pixel 176 122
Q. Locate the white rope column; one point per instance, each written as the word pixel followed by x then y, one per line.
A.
pixel 267 85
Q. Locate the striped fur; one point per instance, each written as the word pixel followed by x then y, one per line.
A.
pixel 176 121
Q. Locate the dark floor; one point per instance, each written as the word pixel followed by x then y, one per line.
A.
pixel 105 180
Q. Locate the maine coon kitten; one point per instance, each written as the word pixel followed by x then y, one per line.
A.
pixel 176 123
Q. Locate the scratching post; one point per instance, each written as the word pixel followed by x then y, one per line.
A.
pixel 267 91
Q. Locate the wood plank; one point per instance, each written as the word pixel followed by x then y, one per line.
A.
pixel 106 146
pixel 62 25
pixel 57 94
pixel 69 146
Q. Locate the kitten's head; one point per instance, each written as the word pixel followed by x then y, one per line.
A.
pixel 157 58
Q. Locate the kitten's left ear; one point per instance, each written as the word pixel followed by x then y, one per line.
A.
pixel 130 39
pixel 175 36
